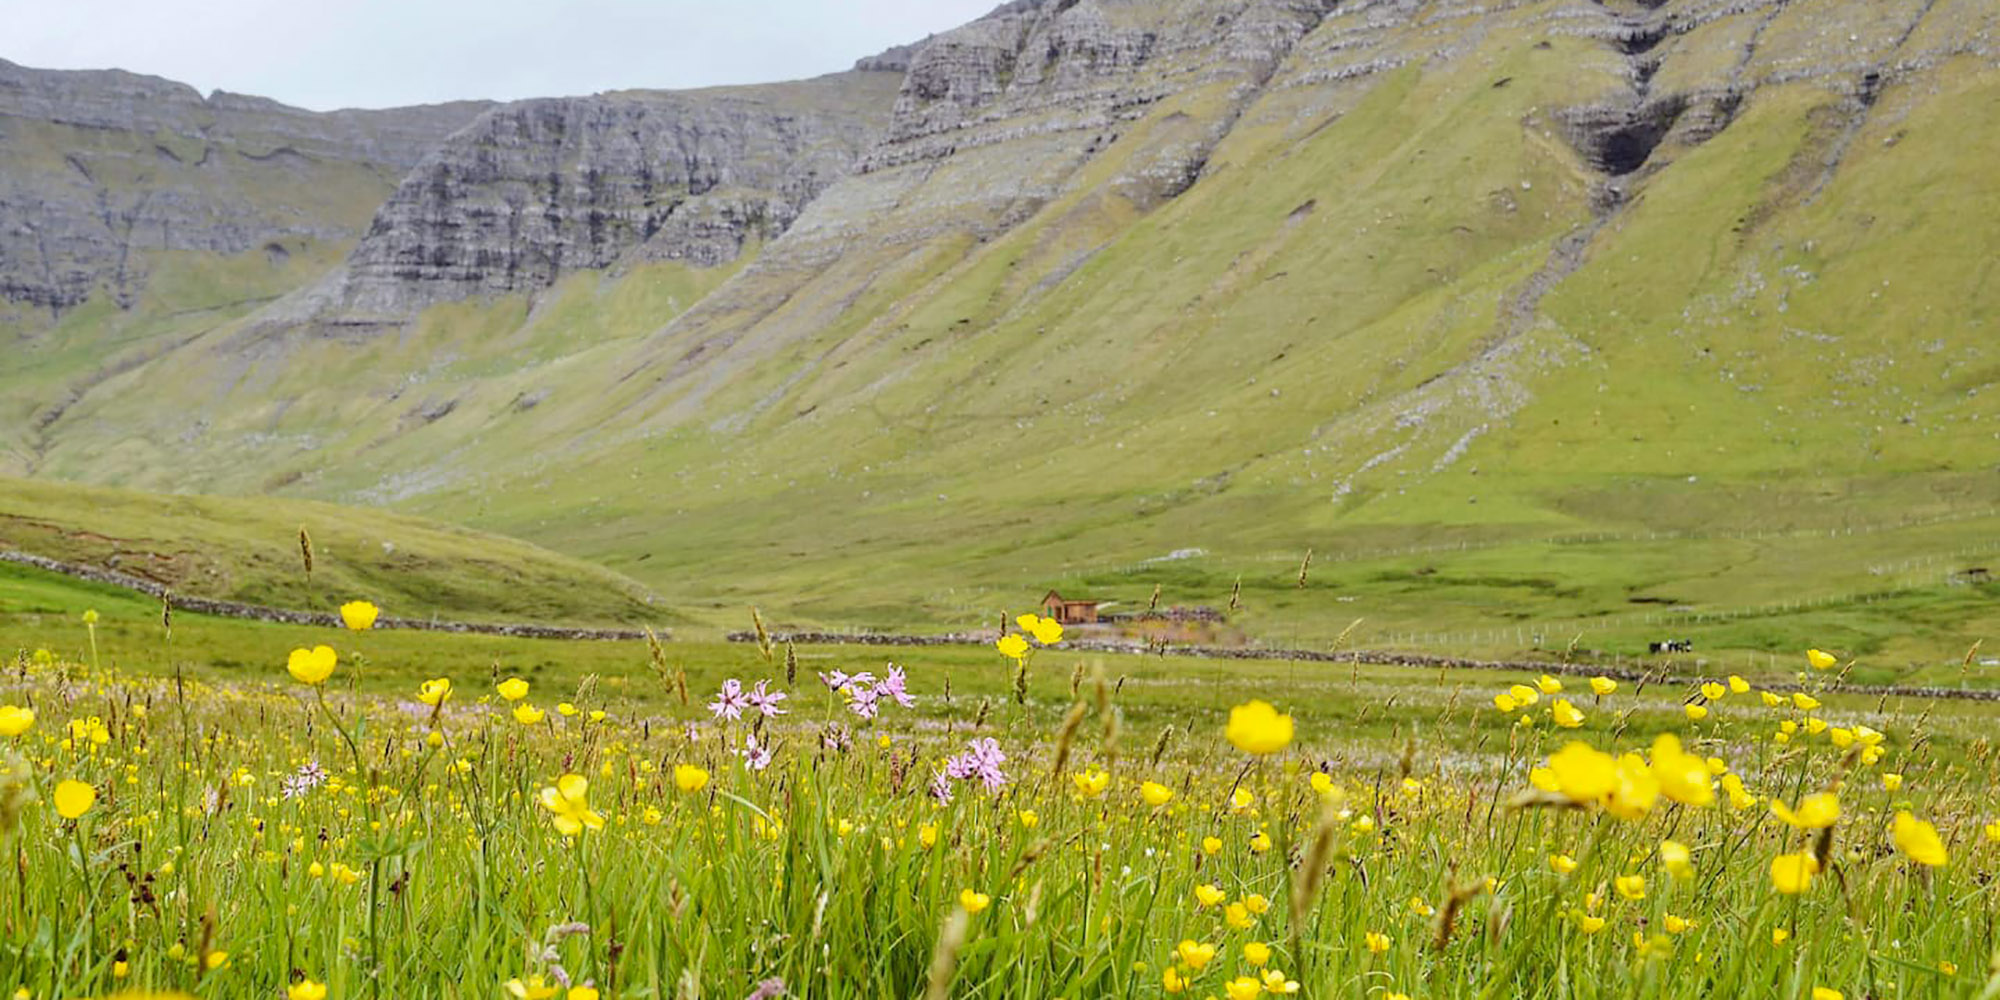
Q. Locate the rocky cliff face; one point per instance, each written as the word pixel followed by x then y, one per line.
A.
pixel 532 190
pixel 99 169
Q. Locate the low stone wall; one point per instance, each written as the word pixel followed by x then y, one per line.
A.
pixel 1375 657
pixel 259 612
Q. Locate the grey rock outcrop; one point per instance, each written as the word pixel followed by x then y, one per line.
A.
pixel 99 168
pixel 535 189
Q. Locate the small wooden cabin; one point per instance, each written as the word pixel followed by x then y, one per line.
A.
pixel 1069 612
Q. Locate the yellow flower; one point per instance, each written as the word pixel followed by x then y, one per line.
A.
pixel 1919 840
pixel 1792 874
pixel 1601 686
pixel 1260 842
pixel 1243 988
pixel 1195 954
pixel 1566 714
pixel 1377 942
pixel 1172 981
pixel 1677 924
pixel 581 993
pixel 1816 811
pixel 1548 685
pixel 528 715
pixel 1676 859
pixel 1504 703
pixel 1587 923
pixel 973 902
pixel 311 666
pixel 1029 819
pixel 1257 728
pixel 1713 691
pixel 1524 695
pixel 566 710
pixel 1155 794
pixel 1823 993
pixel 1211 845
pixel 1047 631
pixel 1583 773
pixel 1804 702
pixel 927 835
pixel 15 720
pixel 569 801
pixel 1683 777
pixel 434 692
pixel 1209 894
pixel 1635 789
pixel 1993 831
pixel 512 689
pixel 90 617
pixel 1770 700
pixel 1842 738
pixel 1091 782
pixel 1011 645
pixel 306 989
pixel 1562 864
pixel 1275 983
pixel 1257 953
pixel 1696 711
pixel 689 778
pixel 1820 660
pixel 1738 685
pixel 74 798
pixel 1891 781
pixel 1238 916
pixel 1779 936
pixel 534 988
pixel 1630 886
pixel 1256 903
pixel 358 616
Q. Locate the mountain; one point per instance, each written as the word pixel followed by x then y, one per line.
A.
pixel 1222 280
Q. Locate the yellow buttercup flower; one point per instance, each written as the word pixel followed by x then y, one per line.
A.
pixel 1676 858
pixel 1504 702
pixel 582 993
pixel 1630 886
pixel 1209 894
pixel 1155 794
pixel 1696 711
pixel 1046 631
pixel 1821 660
pixel 1601 686
pixel 1993 831
pixel 1172 981
pixel 1825 993
pixel 1566 714
pixel 306 989
pixel 1919 840
pixel 1676 924
pixel 1562 864
pixel 927 835
pixel 1548 685
pixel 435 691
pixel 512 689
pixel 1583 773
pixel 1523 695
pixel 1779 936
pixel 358 615
pixel 1090 782
pixel 1256 728
pixel 311 666
pixel 1804 702
pixel 528 715
pixel 1195 954
pixel 1792 874
pixel 1243 988
pixel 1738 685
pixel 1816 811
pixel 689 778
pixel 532 988
pixel 1012 646
pixel 1211 845
pixel 973 902
pixel 1257 953
pixel 1635 790
pixel 569 801
pixel 15 720
pixel 1238 916
pixel 1376 941
pixel 1683 777
pixel 74 798
pixel 1588 923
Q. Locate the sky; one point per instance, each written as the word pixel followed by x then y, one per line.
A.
pixel 327 54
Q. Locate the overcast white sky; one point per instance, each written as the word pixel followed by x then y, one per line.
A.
pixel 326 54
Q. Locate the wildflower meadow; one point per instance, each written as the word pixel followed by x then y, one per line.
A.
pixel 790 832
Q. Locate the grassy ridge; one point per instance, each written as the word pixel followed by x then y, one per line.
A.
pixel 248 550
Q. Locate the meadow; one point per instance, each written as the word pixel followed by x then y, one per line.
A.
pixel 354 813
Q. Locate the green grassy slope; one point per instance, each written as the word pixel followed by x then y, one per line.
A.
pixel 248 550
pixel 1392 313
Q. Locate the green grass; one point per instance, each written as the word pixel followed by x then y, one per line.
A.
pixel 249 550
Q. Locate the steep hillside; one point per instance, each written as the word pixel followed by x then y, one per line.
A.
pixel 1234 279
pixel 248 550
